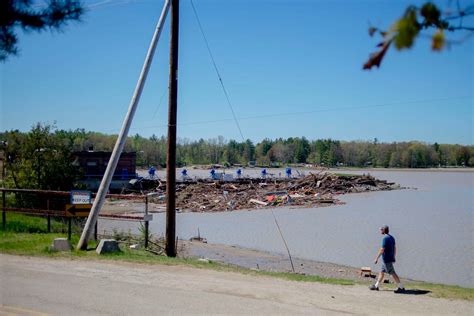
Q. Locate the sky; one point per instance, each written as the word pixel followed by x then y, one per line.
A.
pixel 291 69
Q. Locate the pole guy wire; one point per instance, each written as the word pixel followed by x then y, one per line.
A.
pixel 217 70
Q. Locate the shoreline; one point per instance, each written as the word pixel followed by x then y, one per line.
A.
pixel 263 261
pixel 144 171
pixel 451 169
pixel 259 260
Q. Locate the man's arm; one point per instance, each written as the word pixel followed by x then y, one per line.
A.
pixel 394 251
pixel 381 251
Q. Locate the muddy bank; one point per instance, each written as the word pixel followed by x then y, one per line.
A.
pixel 260 260
pixel 198 248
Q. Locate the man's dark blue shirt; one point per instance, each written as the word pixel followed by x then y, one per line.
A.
pixel 388 244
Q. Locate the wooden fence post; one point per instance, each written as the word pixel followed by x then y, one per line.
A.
pixel 49 216
pixel 146 222
pixel 69 228
pixel 4 217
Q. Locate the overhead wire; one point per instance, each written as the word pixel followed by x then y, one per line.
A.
pixel 160 102
pixel 233 114
pixel 217 70
pixel 343 108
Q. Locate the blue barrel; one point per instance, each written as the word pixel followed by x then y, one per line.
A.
pixel 151 171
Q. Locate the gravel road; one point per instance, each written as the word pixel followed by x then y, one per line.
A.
pixel 44 286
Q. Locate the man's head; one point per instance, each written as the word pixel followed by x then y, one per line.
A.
pixel 384 229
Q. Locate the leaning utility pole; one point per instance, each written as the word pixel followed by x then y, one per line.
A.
pixel 171 156
pixel 120 143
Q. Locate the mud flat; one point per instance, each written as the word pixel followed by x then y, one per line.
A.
pixel 266 261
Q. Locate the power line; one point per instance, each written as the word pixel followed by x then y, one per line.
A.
pixel 347 108
pixel 105 4
pixel 159 104
pixel 217 71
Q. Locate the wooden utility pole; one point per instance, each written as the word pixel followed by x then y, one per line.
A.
pixel 172 113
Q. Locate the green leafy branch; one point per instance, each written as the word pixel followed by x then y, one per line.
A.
pixel 403 33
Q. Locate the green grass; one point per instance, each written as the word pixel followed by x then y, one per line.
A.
pixel 444 291
pixel 32 244
pixel 306 278
pixel 18 240
pixel 22 223
pixel 434 289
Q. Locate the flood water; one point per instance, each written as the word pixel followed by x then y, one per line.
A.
pixel 433 226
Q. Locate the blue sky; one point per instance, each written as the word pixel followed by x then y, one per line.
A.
pixel 292 68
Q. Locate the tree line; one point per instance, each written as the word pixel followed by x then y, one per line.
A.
pixel 45 152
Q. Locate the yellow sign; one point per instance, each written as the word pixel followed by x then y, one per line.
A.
pixel 78 210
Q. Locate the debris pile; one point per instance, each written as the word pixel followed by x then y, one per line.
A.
pixel 340 184
pixel 309 191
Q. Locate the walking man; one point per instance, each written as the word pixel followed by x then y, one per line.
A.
pixel 388 251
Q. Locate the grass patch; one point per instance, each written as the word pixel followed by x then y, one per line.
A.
pixel 31 224
pixel 444 291
pixel 306 278
pixel 433 289
pixel 33 244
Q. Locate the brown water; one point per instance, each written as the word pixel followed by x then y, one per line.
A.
pixel 433 227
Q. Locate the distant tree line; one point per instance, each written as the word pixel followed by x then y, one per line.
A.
pixel 47 153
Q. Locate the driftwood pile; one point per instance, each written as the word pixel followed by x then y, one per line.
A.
pixel 311 190
pixel 340 184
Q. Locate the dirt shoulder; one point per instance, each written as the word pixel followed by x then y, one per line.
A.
pixel 96 287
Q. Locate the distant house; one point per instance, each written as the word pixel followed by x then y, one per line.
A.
pixel 94 163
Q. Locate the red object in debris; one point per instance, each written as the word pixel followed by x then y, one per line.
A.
pixel 271 198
